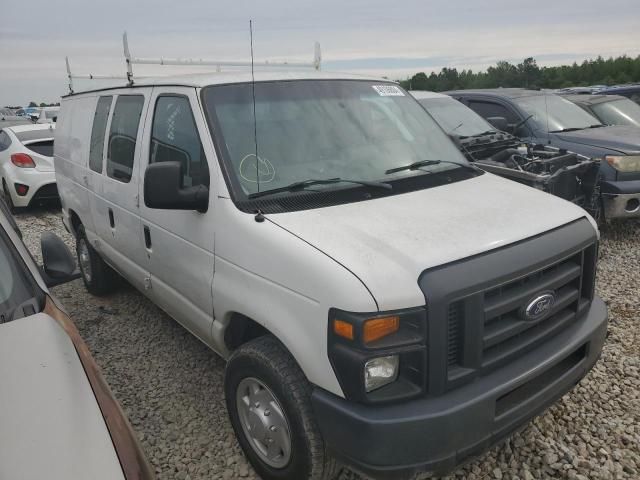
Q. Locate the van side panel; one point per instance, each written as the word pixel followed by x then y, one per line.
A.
pixel 71 153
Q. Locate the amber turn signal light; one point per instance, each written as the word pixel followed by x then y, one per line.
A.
pixel 377 328
pixel 343 329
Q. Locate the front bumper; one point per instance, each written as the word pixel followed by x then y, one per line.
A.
pixel 621 199
pixel 437 434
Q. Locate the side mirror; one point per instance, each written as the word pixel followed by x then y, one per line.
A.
pixel 163 189
pixel 500 123
pixel 58 264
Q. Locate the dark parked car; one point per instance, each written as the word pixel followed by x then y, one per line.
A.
pixel 540 117
pixel 630 91
pixel 609 109
pixel 565 174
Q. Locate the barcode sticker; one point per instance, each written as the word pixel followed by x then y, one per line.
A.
pixel 388 90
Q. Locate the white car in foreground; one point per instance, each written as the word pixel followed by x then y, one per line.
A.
pixel 58 417
pixel 26 165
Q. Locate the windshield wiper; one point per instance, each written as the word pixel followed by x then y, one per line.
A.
pixel 597 125
pixel 570 129
pixel 427 163
pixel 301 185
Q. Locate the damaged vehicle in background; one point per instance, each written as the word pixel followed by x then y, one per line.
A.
pixel 567 175
pixel 58 419
pixel 609 109
pixel 545 118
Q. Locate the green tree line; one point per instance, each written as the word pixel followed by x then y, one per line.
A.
pixel 528 74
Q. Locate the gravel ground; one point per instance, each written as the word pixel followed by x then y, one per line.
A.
pixel 170 384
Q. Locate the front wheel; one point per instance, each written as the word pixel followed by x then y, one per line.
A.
pixel 99 278
pixel 269 404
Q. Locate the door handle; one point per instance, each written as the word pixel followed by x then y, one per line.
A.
pixel 112 220
pixel 147 237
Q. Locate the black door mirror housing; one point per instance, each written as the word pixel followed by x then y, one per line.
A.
pixel 163 189
pixel 500 123
pixel 58 264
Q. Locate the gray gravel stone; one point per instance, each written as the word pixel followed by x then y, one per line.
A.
pixel 170 384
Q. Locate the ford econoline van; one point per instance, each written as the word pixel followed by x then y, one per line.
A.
pixel 380 301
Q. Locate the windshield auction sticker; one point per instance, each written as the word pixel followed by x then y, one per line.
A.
pixel 388 90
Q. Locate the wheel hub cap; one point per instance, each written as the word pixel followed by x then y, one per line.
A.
pixel 263 422
pixel 83 259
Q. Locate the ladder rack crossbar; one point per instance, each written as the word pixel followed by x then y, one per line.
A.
pixel 216 63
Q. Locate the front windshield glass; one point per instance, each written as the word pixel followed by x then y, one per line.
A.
pixel 618 112
pixel 320 129
pixel 552 113
pixel 456 118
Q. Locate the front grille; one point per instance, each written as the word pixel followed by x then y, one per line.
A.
pixel 475 306
pixel 505 332
pixel 454 333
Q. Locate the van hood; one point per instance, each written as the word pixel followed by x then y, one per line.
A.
pixel 388 242
pixel 622 138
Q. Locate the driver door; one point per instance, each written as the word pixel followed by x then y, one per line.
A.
pixel 179 244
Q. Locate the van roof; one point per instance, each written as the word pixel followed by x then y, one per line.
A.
pixel 424 94
pixel 221 78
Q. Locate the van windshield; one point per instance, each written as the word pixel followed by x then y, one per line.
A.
pixel 321 129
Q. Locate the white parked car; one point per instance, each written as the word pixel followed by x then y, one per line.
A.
pixel 58 418
pixel 26 165
pixel 378 298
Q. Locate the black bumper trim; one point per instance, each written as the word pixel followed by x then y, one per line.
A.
pixel 437 434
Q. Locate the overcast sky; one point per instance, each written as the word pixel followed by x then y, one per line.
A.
pixel 389 38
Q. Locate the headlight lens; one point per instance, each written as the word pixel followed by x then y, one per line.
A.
pixel 380 371
pixel 379 356
pixel 624 163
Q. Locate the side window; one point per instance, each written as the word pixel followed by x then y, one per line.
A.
pixel 5 141
pixel 491 109
pixel 122 136
pixel 174 138
pixel 98 132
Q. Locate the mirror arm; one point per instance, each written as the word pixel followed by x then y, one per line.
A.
pixel 53 281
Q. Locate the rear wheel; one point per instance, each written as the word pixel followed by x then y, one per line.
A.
pixel 269 404
pixel 8 200
pixel 99 278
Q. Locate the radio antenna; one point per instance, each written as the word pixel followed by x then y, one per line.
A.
pixel 255 120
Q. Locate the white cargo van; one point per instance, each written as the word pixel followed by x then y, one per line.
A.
pixel 380 301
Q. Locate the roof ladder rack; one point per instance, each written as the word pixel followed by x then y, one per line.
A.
pixel 130 61
pixel 315 64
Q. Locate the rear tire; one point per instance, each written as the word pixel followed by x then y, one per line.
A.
pixel 8 200
pixel 99 278
pixel 264 364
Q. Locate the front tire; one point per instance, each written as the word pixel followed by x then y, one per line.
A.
pixel 269 403
pixel 99 278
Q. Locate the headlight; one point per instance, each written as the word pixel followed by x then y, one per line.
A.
pixel 379 357
pixel 380 371
pixel 624 163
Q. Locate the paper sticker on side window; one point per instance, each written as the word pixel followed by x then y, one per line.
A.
pixel 388 90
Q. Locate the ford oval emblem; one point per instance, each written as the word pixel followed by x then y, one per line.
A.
pixel 539 306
